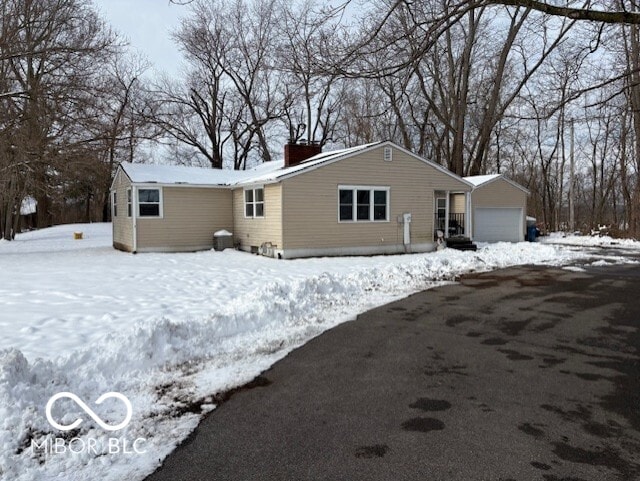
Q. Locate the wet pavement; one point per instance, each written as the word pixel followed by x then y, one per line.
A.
pixel 527 373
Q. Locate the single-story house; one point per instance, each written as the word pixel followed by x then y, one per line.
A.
pixel 377 198
pixel 499 209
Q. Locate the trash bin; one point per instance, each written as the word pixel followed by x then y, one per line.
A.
pixel 223 239
pixel 532 233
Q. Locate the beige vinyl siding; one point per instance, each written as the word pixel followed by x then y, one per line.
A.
pixel 253 232
pixel 499 193
pixel 311 201
pixel 121 224
pixel 458 204
pixel 190 217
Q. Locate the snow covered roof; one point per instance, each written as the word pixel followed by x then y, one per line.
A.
pixel 478 180
pixel 28 206
pixel 266 172
pixel 179 174
pixel 319 159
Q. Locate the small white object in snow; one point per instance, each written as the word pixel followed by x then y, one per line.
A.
pixel 28 206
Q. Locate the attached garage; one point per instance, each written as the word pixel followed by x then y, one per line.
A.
pixel 499 208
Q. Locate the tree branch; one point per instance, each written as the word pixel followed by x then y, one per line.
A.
pixel 617 17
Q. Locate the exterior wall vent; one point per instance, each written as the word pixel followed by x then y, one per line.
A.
pixel 388 154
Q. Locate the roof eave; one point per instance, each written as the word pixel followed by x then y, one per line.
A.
pixel 118 169
pixel 509 181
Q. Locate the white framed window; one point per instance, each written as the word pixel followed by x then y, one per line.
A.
pixel 254 202
pixel 149 202
pixel 129 203
pixel 359 203
pixel 114 204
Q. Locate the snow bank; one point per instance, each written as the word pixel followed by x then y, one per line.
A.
pixel 589 241
pixel 170 331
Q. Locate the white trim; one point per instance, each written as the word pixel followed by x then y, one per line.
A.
pixel 202 247
pixel 115 177
pixel 371 189
pixel 509 181
pixel 129 201
pixel 160 202
pixel 114 205
pixel 447 208
pixel 356 251
pixel 133 217
pixel 468 228
pixel 152 185
pixel 155 185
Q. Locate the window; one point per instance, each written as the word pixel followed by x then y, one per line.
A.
pixel 254 202
pixel 149 202
pixel 129 203
pixel 363 204
pixel 114 205
pixel 379 205
pixel 346 204
pixel 441 207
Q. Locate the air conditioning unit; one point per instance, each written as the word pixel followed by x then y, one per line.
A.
pixel 267 249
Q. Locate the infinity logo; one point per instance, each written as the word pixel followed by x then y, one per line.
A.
pixel 89 411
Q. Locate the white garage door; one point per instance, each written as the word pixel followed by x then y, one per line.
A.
pixel 498 224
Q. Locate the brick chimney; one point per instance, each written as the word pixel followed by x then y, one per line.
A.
pixel 297 153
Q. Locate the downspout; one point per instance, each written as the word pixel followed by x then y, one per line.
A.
pixel 446 214
pixel 469 226
pixel 134 216
pixel 113 220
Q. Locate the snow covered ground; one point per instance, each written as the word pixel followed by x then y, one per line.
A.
pixel 589 241
pixel 170 330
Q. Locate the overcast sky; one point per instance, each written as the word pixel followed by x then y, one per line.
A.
pixel 147 24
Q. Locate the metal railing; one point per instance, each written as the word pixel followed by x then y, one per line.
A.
pixel 456 224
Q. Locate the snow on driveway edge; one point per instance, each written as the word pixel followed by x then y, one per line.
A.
pixel 163 366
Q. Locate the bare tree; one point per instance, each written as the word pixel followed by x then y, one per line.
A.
pixel 119 123
pixel 49 60
pixel 230 95
pixel 315 103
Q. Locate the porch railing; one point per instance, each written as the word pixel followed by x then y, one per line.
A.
pixel 456 224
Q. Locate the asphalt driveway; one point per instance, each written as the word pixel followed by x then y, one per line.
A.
pixel 521 374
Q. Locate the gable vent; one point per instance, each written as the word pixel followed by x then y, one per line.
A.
pixel 388 154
